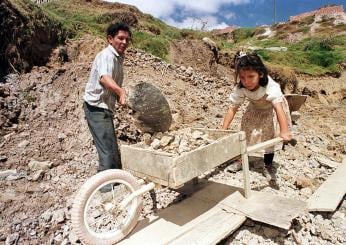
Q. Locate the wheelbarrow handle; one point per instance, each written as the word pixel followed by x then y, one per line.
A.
pixel 264 145
pixel 268 143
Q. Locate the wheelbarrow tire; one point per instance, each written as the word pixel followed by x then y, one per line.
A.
pixel 79 207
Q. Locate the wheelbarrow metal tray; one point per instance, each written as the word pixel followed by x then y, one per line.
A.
pixel 174 170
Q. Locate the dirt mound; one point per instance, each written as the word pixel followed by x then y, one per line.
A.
pixel 28 36
pixel 193 53
pixel 285 77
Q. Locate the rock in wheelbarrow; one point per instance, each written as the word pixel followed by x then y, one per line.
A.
pixel 152 111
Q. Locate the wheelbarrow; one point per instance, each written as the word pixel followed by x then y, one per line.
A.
pixel 107 218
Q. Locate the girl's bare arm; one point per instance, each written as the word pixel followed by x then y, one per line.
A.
pixel 229 116
pixel 282 119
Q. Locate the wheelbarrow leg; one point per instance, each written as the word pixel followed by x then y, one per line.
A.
pixel 154 199
pixel 245 164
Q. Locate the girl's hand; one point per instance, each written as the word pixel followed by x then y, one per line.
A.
pixel 229 117
pixel 286 135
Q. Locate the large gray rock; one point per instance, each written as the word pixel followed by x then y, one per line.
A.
pixel 152 110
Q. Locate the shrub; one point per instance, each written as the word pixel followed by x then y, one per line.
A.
pixel 243 33
pixel 307 20
pixel 155 45
pixel 263 54
pixel 319 45
pixel 324 58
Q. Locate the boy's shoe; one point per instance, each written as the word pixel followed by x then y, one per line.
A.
pixel 268 172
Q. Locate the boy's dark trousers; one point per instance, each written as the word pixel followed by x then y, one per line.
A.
pixel 268 159
pixel 100 122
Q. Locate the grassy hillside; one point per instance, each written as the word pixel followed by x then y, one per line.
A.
pixel 149 34
pixel 315 54
pixel 311 55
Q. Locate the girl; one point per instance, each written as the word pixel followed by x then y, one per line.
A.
pixel 265 98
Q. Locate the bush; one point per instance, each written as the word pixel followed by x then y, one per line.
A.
pixel 304 29
pixel 307 20
pixel 155 45
pixel 243 33
pixel 319 45
pixel 263 54
pixel 324 58
pixel 259 31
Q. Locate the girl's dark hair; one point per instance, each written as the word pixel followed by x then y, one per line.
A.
pixel 113 29
pixel 252 61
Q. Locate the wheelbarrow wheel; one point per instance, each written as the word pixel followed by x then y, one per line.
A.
pixel 96 216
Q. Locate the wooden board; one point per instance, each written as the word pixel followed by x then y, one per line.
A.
pixel 260 206
pixel 150 164
pixel 295 101
pixel 212 213
pixel 266 208
pixel 196 162
pixel 211 230
pixel 331 192
pixel 177 223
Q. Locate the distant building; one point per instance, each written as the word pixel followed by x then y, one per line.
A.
pixel 326 10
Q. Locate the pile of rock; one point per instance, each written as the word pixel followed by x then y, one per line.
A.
pixel 176 142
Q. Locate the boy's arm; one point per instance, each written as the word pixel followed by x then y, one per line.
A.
pixel 229 116
pixel 282 119
pixel 108 82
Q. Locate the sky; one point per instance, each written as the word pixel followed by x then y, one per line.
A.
pixel 218 14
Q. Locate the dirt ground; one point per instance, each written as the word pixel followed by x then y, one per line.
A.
pixel 46 150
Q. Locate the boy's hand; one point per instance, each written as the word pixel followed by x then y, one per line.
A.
pixel 122 97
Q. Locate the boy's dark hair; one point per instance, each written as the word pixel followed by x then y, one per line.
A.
pixel 250 61
pixel 113 29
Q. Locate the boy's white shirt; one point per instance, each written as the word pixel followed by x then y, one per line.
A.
pixel 106 62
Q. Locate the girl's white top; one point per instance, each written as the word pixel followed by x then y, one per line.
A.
pixel 271 92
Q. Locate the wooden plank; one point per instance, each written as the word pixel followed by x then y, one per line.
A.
pixel 266 208
pixel 169 222
pixel 205 158
pixel 264 145
pixel 151 164
pixel 148 178
pixel 295 101
pixel 261 206
pixel 215 133
pixel 211 230
pixel 179 219
pixel 245 165
pixel 331 192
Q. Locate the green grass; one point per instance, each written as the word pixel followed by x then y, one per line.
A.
pixel 78 21
pixel 315 56
pixel 149 34
pixel 152 44
pixel 243 33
